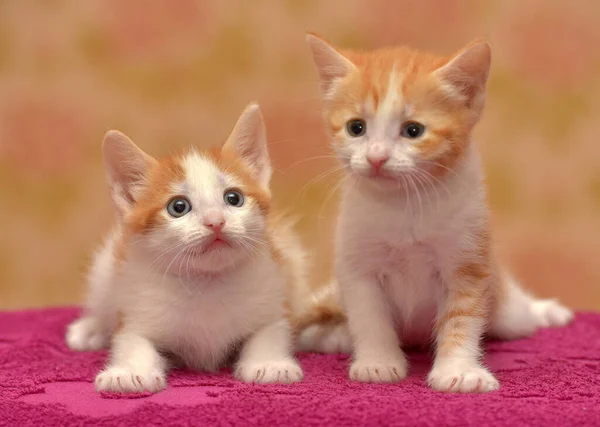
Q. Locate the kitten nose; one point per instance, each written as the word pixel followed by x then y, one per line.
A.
pixel 214 220
pixel 377 155
pixel 377 162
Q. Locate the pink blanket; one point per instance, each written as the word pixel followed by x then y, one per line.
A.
pixel 552 379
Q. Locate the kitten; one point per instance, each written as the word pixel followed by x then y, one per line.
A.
pixel 198 265
pixel 414 258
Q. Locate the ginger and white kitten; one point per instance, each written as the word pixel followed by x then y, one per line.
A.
pixel 198 265
pixel 414 257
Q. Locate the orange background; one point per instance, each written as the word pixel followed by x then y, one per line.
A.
pixel 174 73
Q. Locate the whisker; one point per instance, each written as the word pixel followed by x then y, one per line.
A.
pixel 418 194
pixel 318 178
pixel 311 159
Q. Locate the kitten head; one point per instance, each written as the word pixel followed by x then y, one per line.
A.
pixel 199 211
pixel 397 111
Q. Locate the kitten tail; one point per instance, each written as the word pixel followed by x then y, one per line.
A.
pixel 323 327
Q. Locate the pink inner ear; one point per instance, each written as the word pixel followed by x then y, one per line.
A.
pixel 468 71
pixel 129 197
pixel 330 63
pixel 249 141
pixel 126 179
pixel 125 163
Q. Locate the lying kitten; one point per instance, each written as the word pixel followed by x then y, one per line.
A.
pixel 413 250
pixel 197 265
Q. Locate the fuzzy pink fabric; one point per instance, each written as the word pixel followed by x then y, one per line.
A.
pixel 552 379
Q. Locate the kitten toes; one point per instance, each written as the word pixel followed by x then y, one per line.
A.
pixel 460 379
pixel 551 313
pixel 283 371
pixel 86 334
pixel 379 371
pixel 125 380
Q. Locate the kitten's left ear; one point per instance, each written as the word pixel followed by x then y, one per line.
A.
pixel 466 73
pixel 249 141
pixel 331 64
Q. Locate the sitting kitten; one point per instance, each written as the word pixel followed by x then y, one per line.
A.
pixel 413 249
pixel 197 265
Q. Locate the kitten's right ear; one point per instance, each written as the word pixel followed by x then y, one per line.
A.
pixel 331 64
pixel 466 73
pixel 126 168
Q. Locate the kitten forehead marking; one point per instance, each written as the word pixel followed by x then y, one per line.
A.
pixel 202 175
pixel 387 110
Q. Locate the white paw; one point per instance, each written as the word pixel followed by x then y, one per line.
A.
pixel 462 379
pixel 126 380
pixel 551 313
pixel 391 370
pixel 86 334
pixel 282 371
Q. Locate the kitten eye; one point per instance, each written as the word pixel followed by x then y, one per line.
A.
pixel 233 198
pixel 178 207
pixel 356 127
pixel 412 130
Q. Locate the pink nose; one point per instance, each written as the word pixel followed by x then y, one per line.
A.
pixel 214 220
pixel 377 155
pixel 377 160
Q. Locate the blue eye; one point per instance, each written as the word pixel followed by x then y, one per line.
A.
pixel 178 207
pixel 233 198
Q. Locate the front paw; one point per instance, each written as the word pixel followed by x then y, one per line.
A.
pixel 281 371
pixel 462 379
pixel 374 370
pixel 125 380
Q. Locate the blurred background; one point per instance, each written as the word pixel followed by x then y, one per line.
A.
pixel 175 73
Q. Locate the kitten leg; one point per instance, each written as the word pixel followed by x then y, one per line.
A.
pixel 267 356
pixel 519 315
pixel 460 325
pixel 92 331
pixel 135 366
pixel 377 353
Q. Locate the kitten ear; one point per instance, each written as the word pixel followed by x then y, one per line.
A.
pixel 249 141
pixel 126 168
pixel 466 73
pixel 331 64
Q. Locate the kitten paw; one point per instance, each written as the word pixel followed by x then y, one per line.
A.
pixel 460 379
pixel 86 334
pixel 125 380
pixel 379 371
pixel 551 313
pixel 283 371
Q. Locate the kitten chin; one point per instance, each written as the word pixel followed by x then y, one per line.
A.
pixel 414 259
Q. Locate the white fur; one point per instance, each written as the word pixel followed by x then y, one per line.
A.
pixel 93 330
pixel 398 244
pixel 200 306
pixel 322 338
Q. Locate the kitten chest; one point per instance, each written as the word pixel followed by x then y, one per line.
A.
pixel 409 276
pixel 202 326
